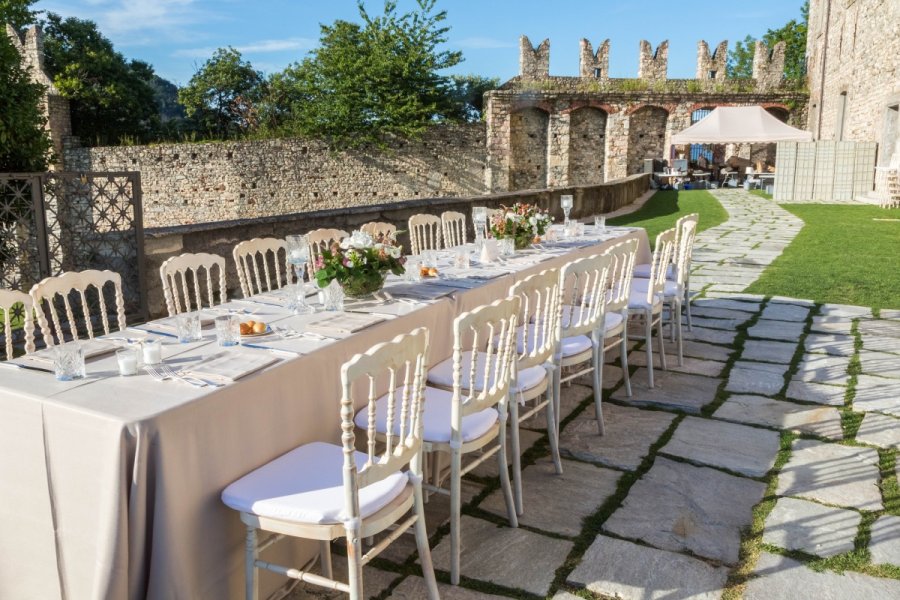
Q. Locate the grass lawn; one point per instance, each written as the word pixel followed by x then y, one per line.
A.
pixel 665 207
pixel 842 255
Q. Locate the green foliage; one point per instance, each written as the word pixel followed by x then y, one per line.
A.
pixel 368 80
pixel 740 59
pixel 467 93
pixel 109 97
pixel 222 96
pixel 24 144
pixel 17 13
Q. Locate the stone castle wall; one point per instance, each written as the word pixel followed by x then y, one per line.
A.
pixel 206 182
pixel 853 58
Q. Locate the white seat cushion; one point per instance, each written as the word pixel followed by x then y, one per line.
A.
pixel 436 422
pixel 641 285
pixel 638 301
pixel 306 485
pixel 611 321
pixel 643 272
pixel 575 344
pixel 442 374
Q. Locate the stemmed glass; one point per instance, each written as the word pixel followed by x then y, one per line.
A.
pixel 479 218
pixel 565 202
pixel 298 257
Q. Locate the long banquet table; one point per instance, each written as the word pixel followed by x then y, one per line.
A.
pixel 109 486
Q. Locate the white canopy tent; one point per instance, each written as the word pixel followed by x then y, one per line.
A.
pixel 740 124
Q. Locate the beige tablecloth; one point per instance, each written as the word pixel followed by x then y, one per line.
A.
pixel 109 486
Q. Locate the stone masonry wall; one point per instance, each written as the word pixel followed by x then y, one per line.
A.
pixel 653 66
pixel 853 51
pixel 197 183
pixel 711 66
pixel 594 64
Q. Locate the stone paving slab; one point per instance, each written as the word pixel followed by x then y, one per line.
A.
pixel 878 394
pixel 846 311
pixel 413 588
pixel 726 304
pixel 747 377
pixel 820 393
pixel 711 336
pixel 884 545
pixel 882 364
pixel 627 571
pixel 558 503
pixel 782 578
pixel 487 549
pixel 676 506
pixel 689 393
pixel 776 330
pixel 769 351
pixel 694 366
pixel 879 327
pixel 879 430
pixel 629 434
pixel 784 312
pixel 832 474
pixel 881 343
pixel 781 300
pixel 746 450
pixel 830 343
pixel 840 325
pixel 527 439
pixel 711 312
pixel 375 582
pixel 817 420
pixel 813 528
pixel 820 368
pixel 695 349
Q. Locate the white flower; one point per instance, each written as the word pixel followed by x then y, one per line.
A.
pixel 359 239
pixel 393 251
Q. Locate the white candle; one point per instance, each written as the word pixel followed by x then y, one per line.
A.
pixel 152 351
pixel 127 360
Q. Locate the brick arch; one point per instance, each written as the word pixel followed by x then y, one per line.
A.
pixel 668 108
pixel 520 105
pixel 646 135
pixel 579 104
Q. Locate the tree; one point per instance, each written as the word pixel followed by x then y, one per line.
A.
pixel 24 143
pixel 368 80
pixel 793 34
pixel 740 59
pixel 17 13
pixel 222 95
pixel 109 97
pixel 468 95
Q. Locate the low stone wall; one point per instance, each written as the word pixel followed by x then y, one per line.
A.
pixel 220 238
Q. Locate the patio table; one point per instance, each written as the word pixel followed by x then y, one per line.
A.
pixel 109 486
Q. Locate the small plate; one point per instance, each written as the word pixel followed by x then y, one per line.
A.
pixel 268 331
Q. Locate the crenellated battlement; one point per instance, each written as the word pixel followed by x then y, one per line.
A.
pixel 712 66
pixel 653 65
pixel 768 67
pixel 534 63
pixel 594 65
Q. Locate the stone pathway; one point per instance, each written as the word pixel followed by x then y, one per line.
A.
pixel 773 446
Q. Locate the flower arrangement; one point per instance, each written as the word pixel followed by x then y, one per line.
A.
pixel 359 263
pixel 524 223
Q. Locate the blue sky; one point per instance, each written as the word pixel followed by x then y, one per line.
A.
pixel 176 36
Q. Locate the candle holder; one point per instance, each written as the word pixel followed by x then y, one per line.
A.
pixel 566 203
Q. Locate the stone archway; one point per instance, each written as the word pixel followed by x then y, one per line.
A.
pixel 528 130
pixel 646 136
pixel 587 146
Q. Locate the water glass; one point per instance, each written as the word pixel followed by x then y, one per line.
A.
pixel 412 269
pixel 578 227
pixel 507 247
pixel 127 358
pixel 68 361
pixel 461 259
pixel 228 330
pixel 151 351
pixel 600 224
pixel 333 297
pixel 187 327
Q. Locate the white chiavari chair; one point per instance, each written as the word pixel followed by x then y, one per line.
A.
pixel 262 265
pixel 17 306
pixel 615 328
pixel 322 491
pixel 378 228
pixel 319 240
pixel 56 293
pixel 424 233
pixel 647 303
pixel 454 228
pixel 181 273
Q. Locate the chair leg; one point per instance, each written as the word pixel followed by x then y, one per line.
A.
pixel 687 306
pixel 325 559
pixel 648 342
pixel 422 542
pixel 456 508
pixel 252 589
pixel 516 453
pixel 354 560
pixel 680 331
pixel 623 356
pixel 598 381
pixel 503 461
pixel 553 424
pixel 662 348
pixel 672 317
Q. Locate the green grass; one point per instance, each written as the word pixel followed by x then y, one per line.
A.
pixel 665 207
pixel 842 255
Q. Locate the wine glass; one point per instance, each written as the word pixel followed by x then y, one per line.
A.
pixel 565 202
pixel 479 218
pixel 298 257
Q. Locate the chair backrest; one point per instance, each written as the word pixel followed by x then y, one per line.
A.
pixel 454 224
pixel 379 228
pixel 684 251
pixel 489 333
pixel 52 292
pixel 621 269
pixel 182 272
pixel 659 264
pixel 424 233
pixel 256 260
pixel 319 240
pixel 402 363
pixel 680 224
pixel 586 284
pixel 17 306
pixel 539 316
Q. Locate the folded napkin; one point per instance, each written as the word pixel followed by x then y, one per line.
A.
pixel 92 349
pixel 226 367
pixel 418 291
pixel 343 323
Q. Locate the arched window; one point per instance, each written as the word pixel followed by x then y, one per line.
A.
pixel 698 150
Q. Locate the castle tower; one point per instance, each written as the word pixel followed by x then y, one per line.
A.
pixel 534 63
pixel 712 66
pixel 768 67
pixel 55 107
pixel 594 65
pixel 653 65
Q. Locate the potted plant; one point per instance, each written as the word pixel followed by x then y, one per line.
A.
pixel 360 263
pixel 524 223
